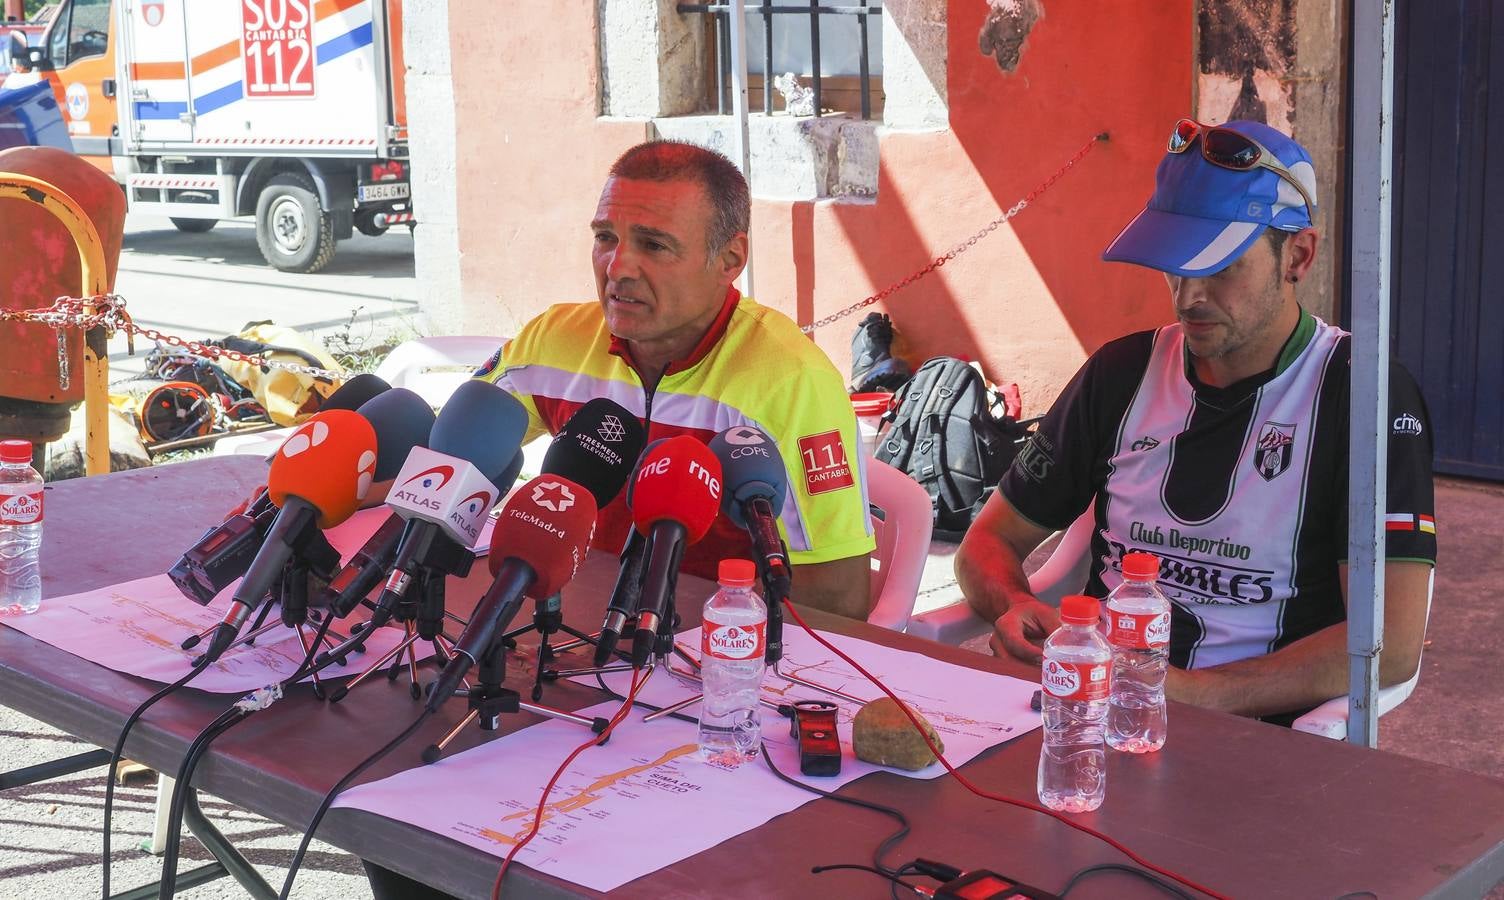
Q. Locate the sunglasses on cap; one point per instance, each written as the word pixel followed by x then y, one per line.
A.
pixel 1238 152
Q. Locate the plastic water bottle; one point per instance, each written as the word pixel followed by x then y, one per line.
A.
pixel 1138 628
pixel 1075 677
pixel 20 530
pixel 734 640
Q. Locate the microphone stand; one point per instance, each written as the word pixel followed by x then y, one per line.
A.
pixel 488 699
pixel 548 620
pixel 421 612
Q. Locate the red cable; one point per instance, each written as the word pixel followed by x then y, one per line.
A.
pixel 986 794
pixel 621 714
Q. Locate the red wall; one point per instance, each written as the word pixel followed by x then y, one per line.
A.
pixel 1029 300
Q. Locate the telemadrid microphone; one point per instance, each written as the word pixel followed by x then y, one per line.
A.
pixel 755 486
pixel 225 552
pixel 317 479
pixel 445 490
pixel 542 535
pixel 674 500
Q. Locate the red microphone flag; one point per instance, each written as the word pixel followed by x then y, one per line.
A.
pixel 679 480
pixel 547 523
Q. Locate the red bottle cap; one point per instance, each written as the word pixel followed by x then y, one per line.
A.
pixel 736 572
pixel 1141 566
pixel 15 451
pixel 1080 610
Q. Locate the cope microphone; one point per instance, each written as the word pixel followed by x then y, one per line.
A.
pixel 755 487
pixel 445 490
pixel 225 551
pixel 542 535
pixel 674 500
pixel 317 479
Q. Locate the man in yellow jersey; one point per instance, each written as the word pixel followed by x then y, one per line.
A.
pixel 670 339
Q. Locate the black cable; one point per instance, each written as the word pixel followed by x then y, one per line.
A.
pixel 882 849
pixel 905 869
pixel 167 886
pixel 115 754
pixel 1169 886
pixel 861 868
pixel 340 785
pixel 200 748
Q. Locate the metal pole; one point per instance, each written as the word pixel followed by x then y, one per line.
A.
pixel 743 158
pixel 1371 142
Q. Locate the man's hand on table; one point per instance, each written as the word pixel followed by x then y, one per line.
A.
pixel 1021 631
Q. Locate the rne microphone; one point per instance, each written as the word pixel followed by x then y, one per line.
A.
pixel 317 479
pixel 542 535
pixel 445 490
pixel 756 483
pixel 674 498
pixel 225 552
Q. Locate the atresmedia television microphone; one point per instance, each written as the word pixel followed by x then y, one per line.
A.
pixel 675 498
pixel 445 490
pixel 317 479
pixel 755 486
pixel 225 551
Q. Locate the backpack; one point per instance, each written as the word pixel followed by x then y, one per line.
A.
pixel 943 432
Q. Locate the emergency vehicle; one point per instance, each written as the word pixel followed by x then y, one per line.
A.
pixel 288 111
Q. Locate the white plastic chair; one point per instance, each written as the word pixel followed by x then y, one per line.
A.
pixel 902 520
pixel 434 366
pixel 1330 718
pixel 1063 573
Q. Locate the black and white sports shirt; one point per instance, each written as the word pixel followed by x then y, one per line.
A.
pixel 1240 491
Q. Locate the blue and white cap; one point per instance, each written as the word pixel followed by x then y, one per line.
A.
pixel 1202 216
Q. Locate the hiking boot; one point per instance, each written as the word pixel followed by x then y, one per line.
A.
pixel 873 367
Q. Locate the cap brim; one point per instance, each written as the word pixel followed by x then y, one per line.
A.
pixel 1182 245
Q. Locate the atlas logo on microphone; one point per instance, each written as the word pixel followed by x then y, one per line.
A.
pixel 430 483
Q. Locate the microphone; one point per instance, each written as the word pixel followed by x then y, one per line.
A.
pixel 674 500
pixel 445 490
pixel 545 530
pixel 756 484
pixel 225 551
pixel 402 420
pixel 317 479
pixel 597 448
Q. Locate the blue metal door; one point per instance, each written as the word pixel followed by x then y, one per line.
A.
pixel 1448 260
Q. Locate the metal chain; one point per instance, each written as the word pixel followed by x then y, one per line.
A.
pixel 108 311
pixel 957 250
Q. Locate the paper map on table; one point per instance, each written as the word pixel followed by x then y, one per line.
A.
pixel 970 709
pixel 138 627
pixel 639 803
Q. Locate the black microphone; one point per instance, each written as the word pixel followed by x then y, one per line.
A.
pixel 674 499
pixel 625 596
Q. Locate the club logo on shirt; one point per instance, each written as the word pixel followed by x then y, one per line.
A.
pixel 1144 443
pixel 1405 423
pixel 1035 460
pixel 825 466
pixel 1275 448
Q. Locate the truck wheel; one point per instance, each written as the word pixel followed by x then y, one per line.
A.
pixel 194 226
pixel 294 234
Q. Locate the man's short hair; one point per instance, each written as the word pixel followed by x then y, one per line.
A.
pixel 724 186
pixel 1277 238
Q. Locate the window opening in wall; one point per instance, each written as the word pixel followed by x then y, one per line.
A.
pixel 820 42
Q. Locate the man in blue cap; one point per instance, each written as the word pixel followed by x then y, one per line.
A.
pixel 1219 444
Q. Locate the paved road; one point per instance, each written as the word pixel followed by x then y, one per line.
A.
pixel 210 285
